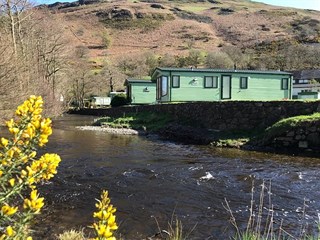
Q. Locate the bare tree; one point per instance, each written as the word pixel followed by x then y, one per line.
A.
pixel 195 58
pixel 32 54
pixel 113 79
pixel 218 60
pixel 300 56
pixel 167 61
pixel 16 12
pixel 134 66
pixel 240 59
pixel 81 85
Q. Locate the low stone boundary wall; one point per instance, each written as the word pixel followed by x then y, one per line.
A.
pixel 229 115
pixel 305 136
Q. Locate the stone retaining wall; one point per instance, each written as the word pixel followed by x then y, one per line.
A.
pixel 229 115
pixel 305 136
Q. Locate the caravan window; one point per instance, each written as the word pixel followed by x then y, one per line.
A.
pixel 175 81
pixel 210 82
pixel 164 86
pixel 243 82
pixel 284 83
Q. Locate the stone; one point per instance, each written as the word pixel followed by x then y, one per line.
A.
pixel 314 139
pixel 286 144
pixel 290 134
pixel 300 131
pixel 312 129
pixel 303 144
pixel 156 5
pixel 284 139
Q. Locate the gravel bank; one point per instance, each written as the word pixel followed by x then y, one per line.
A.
pixel 122 131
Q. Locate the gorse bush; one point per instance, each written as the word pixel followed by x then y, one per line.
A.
pixel 21 170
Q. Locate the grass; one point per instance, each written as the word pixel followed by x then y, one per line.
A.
pixel 145 120
pixel 71 235
pixel 195 8
pixel 287 123
pixel 97 60
pixel 234 143
pixel 175 230
pixel 235 139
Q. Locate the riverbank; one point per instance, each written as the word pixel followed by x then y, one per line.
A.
pixel 295 135
pixel 172 131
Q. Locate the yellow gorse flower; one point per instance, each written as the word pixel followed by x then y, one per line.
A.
pixel 34 203
pixel 4 142
pixel 106 219
pixel 45 131
pixel 103 231
pixel 12 182
pixel 31 106
pixel 36 128
pixel 7 210
pixel 10 231
pixel 47 165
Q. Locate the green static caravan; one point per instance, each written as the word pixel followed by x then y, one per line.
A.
pixel 141 91
pixel 181 84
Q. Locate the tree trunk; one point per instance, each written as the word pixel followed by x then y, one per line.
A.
pixel 12 26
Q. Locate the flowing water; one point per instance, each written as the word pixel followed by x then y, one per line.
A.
pixel 152 182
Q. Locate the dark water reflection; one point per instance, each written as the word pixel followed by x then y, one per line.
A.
pixel 150 179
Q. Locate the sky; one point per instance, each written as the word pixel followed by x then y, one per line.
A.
pixel 304 4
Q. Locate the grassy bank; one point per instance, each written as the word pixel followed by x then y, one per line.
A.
pixel 288 123
pixel 261 137
pixel 140 121
pixel 235 139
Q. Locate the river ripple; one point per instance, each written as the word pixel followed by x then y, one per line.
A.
pixel 150 180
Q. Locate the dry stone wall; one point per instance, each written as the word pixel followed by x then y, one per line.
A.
pixel 305 136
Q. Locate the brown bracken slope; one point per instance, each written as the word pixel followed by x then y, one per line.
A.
pixel 174 27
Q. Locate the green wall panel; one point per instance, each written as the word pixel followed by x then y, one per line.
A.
pixel 139 94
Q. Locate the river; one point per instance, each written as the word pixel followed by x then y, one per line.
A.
pixel 152 182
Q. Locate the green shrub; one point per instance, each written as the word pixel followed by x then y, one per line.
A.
pixel 119 100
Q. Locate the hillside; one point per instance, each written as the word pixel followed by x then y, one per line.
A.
pixel 174 27
pixel 68 52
